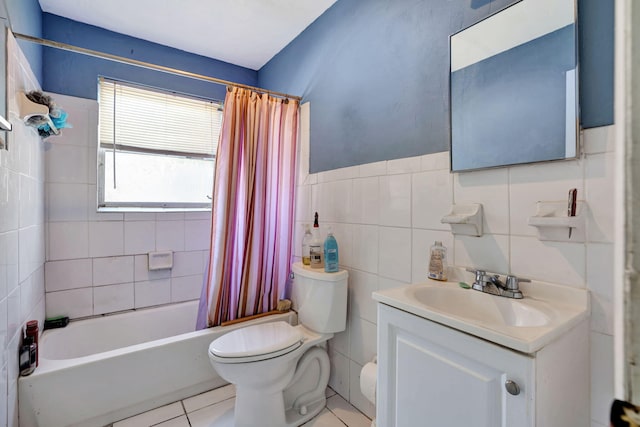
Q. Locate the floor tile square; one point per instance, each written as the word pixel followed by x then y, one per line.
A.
pixel 153 417
pixel 220 413
pixel 181 421
pixel 209 398
pixel 347 413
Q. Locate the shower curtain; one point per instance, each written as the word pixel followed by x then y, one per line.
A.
pixel 252 209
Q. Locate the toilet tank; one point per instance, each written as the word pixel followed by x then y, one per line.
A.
pixel 320 298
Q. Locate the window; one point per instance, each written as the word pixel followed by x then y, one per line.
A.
pixel 156 149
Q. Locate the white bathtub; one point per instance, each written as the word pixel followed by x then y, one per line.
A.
pixel 101 370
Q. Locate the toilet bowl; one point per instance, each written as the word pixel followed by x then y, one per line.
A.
pixel 281 371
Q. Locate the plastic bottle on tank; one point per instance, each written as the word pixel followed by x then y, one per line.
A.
pixel 331 258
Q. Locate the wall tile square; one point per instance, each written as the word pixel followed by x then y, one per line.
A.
pixel 186 288
pixel 489 252
pixel 68 240
pixel 361 286
pixel 67 202
pixel 303 204
pixel 599 140
pixel 373 169
pixel 170 235
pixel 112 270
pixel 9 246
pixel 406 165
pixel 29 198
pixel 9 200
pixel 187 264
pixel 112 298
pixel 139 237
pixel 491 188
pixel 366 200
pixel 599 180
pixel 600 281
pixel 365 248
pixel 74 303
pixel 339 374
pixel 435 161
pixel 432 199
pixel 602 368
pixel 197 235
pixel 395 200
pixel 71 274
pixel 66 163
pixel 394 253
pixel 106 238
pixel 154 292
pixel 555 262
pixel 363 341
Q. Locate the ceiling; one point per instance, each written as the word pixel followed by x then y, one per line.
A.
pixel 243 32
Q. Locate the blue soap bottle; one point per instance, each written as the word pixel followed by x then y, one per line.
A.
pixel 331 259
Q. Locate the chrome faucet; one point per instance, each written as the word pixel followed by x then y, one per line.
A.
pixel 491 284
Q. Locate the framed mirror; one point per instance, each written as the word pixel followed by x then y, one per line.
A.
pixel 514 87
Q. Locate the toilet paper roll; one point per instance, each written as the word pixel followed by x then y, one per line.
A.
pixel 368 378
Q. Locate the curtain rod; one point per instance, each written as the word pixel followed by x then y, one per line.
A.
pixel 155 67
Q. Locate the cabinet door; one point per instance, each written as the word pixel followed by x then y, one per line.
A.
pixel 431 375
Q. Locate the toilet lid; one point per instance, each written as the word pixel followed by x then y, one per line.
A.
pixel 266 339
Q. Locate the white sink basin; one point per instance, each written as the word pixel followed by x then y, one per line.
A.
pixel 480 307
pixel 525 325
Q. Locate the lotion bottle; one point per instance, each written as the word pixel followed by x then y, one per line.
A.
pixel 438 262
pixel 315 247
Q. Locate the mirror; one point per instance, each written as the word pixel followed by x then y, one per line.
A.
pixel 514 87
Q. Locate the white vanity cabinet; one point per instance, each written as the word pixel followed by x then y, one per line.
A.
pixel 433 375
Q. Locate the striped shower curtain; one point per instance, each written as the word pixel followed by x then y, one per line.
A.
pixel 253 208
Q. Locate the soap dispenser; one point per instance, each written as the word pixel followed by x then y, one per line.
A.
pixel 438 262
pixel 331 261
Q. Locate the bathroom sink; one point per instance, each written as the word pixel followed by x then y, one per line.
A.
pixel 480 307
pixel 526 325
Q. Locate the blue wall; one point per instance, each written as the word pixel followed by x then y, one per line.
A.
pixel 376 74
pixel 76 74
pixel 25 17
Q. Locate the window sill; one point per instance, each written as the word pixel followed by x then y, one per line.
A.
pixel 149 209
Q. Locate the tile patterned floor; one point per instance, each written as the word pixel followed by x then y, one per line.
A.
pixel 205 408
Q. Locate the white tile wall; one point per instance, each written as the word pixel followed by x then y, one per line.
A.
pixel 96 261
pixel 395 211
pixel 22 233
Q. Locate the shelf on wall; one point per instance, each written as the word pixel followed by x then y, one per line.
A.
pixel 30 109
pixel 465 219
pixel 553 224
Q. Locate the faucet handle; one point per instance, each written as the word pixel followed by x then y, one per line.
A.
pixel 513 282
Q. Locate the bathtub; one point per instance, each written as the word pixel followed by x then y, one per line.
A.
pixel 101 370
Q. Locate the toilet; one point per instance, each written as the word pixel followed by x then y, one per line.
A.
pixel 281 371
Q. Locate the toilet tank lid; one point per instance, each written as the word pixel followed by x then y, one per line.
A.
pixel 319 274
pixel 256 340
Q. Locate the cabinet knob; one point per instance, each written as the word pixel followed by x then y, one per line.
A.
pixel 512 387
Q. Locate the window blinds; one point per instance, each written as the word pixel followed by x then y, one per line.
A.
pixel 154 121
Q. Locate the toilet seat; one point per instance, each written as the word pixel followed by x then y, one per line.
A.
pixel 255 343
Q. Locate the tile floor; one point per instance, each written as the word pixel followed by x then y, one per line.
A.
pixel 203 409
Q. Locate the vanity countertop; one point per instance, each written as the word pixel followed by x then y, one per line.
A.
pixel 526 325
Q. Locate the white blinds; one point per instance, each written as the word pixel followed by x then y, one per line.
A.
pixel 151 120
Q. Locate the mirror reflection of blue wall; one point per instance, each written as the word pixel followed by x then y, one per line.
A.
pixel 517 105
